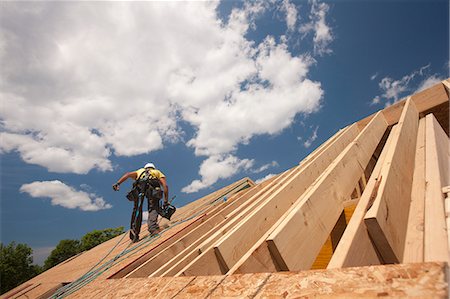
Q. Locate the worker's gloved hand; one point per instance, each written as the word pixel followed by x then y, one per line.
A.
pixel 166 203
pixel 116 187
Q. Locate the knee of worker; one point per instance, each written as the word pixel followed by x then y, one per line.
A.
pixel 152 215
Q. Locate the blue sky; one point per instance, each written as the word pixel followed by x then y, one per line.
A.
pixel 208 91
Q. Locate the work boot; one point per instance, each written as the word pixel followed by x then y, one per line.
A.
pixel 155 232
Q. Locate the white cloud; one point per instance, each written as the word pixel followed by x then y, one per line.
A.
pixel 322 32
pixel 215 168
pixel 253 111
pixel 265 167
pixel 428 82
pixel 270 175
pixel 291 14
pixel 393 90
pixel 311 139
pixel 82 81
pixel 376 100
pixel 65 196
pixel 44 149
pixel 374 76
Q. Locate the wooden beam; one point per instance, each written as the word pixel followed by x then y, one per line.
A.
pixel 387 219
pixel 446 84
pixel 188 210
pixel 323 146
pixel 175 258
pixel 259 259
pixel 424 100
pixel 338 231
pixel 191 254
pixel 239 240
pixel 210 205
pixel 155 260
pixel 413 252
pixel 355 247
pixel 297 241
pixel 205 254
pixel 198 265
pixel 436 176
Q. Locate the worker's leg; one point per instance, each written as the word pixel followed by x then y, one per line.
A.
pixel 133 219
pixel 139 217
pixel 152 220
pixel 136 219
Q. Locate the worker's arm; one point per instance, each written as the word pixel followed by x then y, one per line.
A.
pixel 125 177
pixel 166 189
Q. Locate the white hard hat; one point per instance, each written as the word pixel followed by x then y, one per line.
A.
pixel 149 165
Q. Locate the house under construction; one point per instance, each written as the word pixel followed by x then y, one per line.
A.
pixel 366 214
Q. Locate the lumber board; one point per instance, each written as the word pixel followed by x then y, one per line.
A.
pixel 167 239
pixel 324 256
pixel 323 146
pixel 195 259
pixel 206 254
pixel 203 260
pixel 37 290
pixel 152 262
pixel 413 252
pixel 436 176
pixel 193 262
pixel 424 100
pixel 259 258
pixel 446 84
pixel 298 239
pixel 425 280
pixel 422 280
pixel 193 207
pixel 239 240
pixel 200 287
pixel 256 201
pixel 156 250
pixel 240 286
pixel 191 254
pixel 179 251
pixel 387 219
pixel 19 290
pixel 355 247
pixel 135 268
pixel 338 230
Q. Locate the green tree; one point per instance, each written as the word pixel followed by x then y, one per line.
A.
pixel 16 265
pixel 64 250
pixel 97 237
pixel 68 248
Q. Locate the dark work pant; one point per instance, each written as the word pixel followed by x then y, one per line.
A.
pixel 136 218
pixel 152 221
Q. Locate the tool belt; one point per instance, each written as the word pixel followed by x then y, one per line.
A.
pixel 150 188
pixel 133 195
